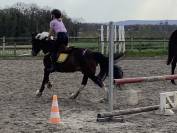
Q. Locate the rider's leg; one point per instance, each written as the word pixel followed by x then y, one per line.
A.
pixel 53 59
pixel 52 67
pixel 60 44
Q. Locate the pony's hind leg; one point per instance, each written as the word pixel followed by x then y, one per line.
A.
pixel 83 84
pixel 106 94
pixel 100 83
pixel 173 66
pixel 97 81
pixel 49 85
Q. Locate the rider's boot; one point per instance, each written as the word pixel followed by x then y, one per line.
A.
pixel 52 68
pixel 53 64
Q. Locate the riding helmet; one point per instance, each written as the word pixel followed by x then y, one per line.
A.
pixel 56 13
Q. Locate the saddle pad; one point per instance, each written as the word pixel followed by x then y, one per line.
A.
pixel 62 57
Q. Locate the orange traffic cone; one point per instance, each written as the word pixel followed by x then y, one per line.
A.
pixel 55 114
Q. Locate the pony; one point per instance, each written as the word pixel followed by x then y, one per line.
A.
pixel 79 59
pixel 172 53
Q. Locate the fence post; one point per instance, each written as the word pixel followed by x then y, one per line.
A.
pixel 111 51
pixel 98 40
pixel 140 46
pixel 3 45
pixel 15 49
pixel 131 42
pixel 164 44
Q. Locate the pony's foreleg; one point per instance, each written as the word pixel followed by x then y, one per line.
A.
pixel 83 84
pixel 45 80
pixel 97 81
pixel 173 66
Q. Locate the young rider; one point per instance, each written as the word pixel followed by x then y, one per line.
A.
pixel 58 29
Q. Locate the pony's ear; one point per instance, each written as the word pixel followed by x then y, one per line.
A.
pixel 33 35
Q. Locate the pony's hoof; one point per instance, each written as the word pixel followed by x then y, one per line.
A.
pixel 49 85
pixel 119 87
pixel 38 93
pixel 73 96
pixel 173 82
pixel 103 100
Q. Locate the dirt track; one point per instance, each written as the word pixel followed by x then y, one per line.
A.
pixel 22 112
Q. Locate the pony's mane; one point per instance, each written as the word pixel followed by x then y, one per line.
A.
pixel 43 35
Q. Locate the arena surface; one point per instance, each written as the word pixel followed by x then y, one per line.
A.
pixel 22 112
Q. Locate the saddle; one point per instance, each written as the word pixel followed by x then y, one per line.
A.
pixel 63 54
pixel 62 57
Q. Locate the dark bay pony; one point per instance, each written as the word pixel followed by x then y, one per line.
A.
pixel 79 59
pixel 172 53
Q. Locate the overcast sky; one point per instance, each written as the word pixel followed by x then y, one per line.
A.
pixel 109 10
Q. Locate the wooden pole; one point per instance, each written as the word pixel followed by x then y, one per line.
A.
pixel 128 111
pixel 144 79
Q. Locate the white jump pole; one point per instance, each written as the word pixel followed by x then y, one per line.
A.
pixel 115 38
pixel 121 39
pixel 104 46
pixel 111 51
pixel 102 39
pixel 107 39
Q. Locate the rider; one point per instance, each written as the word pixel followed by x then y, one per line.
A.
pixel 58 29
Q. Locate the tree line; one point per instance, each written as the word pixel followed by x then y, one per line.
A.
pixel 149 31
pixel 20 20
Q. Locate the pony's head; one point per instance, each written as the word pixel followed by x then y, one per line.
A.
pixel 37 42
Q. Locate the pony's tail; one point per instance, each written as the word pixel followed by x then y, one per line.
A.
pixel 104 66
pixel 171 47
pixel 170 54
